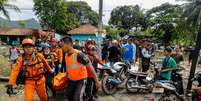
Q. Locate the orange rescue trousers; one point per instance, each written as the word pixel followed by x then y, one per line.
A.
pixel 39 86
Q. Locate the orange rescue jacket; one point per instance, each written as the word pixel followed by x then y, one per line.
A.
pixel 75 70
pixel 34 71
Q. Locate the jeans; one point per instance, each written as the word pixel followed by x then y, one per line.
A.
pixel 91 90
pixel 75 90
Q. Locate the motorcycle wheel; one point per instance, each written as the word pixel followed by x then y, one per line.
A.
pixel 169 97
pixel 107 87
pixel 130 82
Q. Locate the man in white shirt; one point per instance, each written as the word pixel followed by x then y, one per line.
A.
pixel 14 53
pixel 146 55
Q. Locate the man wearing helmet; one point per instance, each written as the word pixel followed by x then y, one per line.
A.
pixel 34 65
pixel 50 60
pixel 91 90
pixel 57 53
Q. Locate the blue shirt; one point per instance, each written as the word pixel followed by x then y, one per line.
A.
pixel 129 52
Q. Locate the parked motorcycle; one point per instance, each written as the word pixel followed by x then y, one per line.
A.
pixel 114 76
pixel 167 90
pixel 140 81
pixel 196 91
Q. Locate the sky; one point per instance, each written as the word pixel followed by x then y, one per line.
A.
pixel 28 13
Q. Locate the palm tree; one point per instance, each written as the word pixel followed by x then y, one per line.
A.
pixel 4 5
pixel 193 14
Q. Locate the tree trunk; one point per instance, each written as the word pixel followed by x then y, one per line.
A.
pixel 194 60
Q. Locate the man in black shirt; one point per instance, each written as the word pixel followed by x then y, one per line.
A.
pixel 114 52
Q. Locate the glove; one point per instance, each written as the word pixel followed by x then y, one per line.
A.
pixel 53 71
pixel 9 90
pixel 59 66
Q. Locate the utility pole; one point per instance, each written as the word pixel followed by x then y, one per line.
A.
pixel 100 25
pixel 194 60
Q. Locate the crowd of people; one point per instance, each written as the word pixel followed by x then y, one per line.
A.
pixel 42 60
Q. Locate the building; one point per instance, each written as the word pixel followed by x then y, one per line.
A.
pixel 84 32
pixel 16 35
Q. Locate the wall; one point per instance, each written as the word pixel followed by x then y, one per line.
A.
pixel 83 38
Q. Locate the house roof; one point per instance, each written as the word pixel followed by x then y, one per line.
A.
pixel 20 32
pixel 84 29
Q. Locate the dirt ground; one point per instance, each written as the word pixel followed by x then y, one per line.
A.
pixel 121 95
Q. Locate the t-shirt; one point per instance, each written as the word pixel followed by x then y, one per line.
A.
pixel 114 53
pixel 129 52
pixel 168 63
pixel 178 58
pixel 14 53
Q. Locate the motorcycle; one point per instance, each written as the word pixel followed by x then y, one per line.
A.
pixel 196 91
pixel 115 76
pixel 167 89
pixel 140 81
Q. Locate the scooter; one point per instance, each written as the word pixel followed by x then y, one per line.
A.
pixel 167 90
pixel 114 76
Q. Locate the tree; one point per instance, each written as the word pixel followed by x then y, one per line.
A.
pixel 82 12
pixel 4 4
pixel 164 20
pixel 23 24
pixel 127 17
pixel 193 14
pixel 114 32
pixel 53 15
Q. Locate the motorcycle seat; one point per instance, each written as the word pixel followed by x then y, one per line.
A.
pixel 166 85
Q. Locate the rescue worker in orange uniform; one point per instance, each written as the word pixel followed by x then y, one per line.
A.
pixel 91 90
pixel 50 60
pixel 35 66
pixel 77 64
pixel 57 53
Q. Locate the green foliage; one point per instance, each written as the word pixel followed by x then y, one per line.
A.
pixel 23 24
pixel 127 17
pixel 115 32
pixel 4 4
pixel 193 13
pixel 82 12
pixel 53 15
pixel 163 21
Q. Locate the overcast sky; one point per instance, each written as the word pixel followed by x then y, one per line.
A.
pixel 107 8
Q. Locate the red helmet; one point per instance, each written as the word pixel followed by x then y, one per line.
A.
pixel 54 40
pixel 28 41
